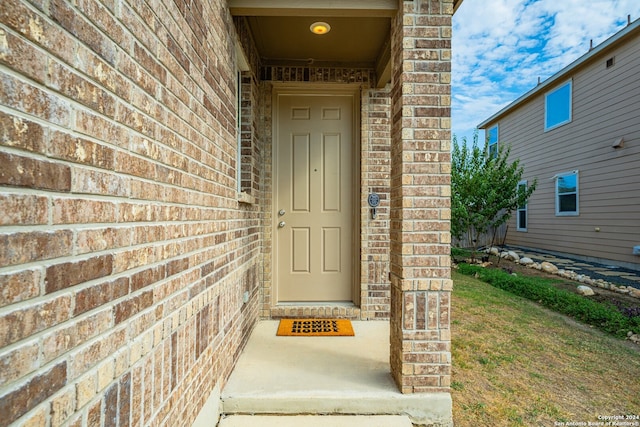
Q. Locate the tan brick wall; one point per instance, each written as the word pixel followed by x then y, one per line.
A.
pixel 124 252
pixel 376 170
pixel 420 197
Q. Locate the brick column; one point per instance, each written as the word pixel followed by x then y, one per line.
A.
pixel 420 196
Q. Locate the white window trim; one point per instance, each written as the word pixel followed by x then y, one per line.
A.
pixel 546 95
pixel 242 64
pixel 525 209
pixel 239 131
pixel 577 211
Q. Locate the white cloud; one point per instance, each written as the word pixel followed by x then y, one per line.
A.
pixel 502 47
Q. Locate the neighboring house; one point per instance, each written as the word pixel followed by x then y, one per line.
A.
pixel 171 172
pixel 578 133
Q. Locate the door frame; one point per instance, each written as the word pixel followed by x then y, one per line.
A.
pixel 323 89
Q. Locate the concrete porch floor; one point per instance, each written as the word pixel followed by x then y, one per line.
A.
pixel 324 376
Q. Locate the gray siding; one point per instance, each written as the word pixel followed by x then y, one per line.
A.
pixel 606 106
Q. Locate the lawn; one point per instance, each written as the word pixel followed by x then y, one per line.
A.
pixel 518 364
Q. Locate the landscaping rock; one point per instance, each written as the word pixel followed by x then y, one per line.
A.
pixel 585 290
pixel 548 267
pixel 511 255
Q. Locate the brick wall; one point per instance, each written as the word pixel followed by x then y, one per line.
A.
pixel 124 252
pixel 376 169
pixel 420 197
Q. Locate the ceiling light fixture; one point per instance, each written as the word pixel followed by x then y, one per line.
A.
pixel 320 28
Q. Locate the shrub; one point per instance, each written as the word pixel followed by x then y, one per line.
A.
pixel 460 252
pixel 484 188
pixel 604 317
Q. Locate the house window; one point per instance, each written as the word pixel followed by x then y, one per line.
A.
pixel 521 218
pixel 492 141
pixel 567 193
pixel 557 107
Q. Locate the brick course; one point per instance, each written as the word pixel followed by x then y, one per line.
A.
pixel 123 247
pixel 28 395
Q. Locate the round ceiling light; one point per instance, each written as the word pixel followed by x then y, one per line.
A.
pixel 320 28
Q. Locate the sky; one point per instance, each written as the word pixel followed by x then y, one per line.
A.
pixel 501 48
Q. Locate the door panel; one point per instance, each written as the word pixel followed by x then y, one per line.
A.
pixel 301 254
pixel 331 237
pixel 300 163
pixel 313 236
pixel 331 173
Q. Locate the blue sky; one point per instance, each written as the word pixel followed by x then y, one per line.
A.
pixel 501 47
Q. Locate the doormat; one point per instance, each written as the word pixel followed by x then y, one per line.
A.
pixel 315 328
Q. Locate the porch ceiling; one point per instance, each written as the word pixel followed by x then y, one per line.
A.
pixel 353 40
pixel 359 35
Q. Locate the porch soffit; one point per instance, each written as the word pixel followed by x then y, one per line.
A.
pixel 359 36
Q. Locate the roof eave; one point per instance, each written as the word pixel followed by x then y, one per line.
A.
pixel 562 74
pixel 456 5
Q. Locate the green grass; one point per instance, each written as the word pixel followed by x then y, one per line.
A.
pixel 516 363
pixel 602 316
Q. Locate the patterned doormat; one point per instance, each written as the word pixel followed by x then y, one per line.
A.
pixel 315 328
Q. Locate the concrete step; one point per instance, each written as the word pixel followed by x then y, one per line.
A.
pixel 342 376
pixel 315 421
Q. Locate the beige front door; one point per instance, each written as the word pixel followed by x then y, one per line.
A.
pixel 313 198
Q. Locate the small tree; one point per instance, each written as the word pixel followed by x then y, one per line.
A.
pixel 484 189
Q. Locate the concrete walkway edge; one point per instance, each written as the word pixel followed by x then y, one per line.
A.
pixel 315 421
pixel 421 408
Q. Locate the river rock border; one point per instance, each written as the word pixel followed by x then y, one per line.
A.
pixel 567 274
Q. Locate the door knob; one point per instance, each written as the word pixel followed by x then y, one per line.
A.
pixel 281 224
pixel 281 212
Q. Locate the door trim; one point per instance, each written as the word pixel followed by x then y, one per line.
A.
pixel 324 89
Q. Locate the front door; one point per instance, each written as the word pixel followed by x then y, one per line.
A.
pixel 313 198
